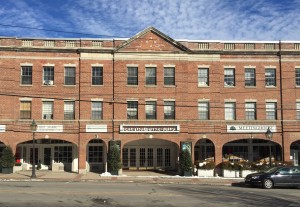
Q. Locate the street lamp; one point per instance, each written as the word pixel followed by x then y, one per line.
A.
pixel 269 135
pixel 33 127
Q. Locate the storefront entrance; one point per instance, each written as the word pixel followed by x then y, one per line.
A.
pixel 150 154
pixel 295 152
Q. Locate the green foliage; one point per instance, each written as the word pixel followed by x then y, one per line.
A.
pixel 114 159
pixel 185 161
pixel 8 159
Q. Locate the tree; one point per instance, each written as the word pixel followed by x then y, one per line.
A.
pixel 114 159
pixel 185 162
pixel 8 159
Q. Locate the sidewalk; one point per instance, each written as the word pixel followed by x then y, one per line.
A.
pixel 127 176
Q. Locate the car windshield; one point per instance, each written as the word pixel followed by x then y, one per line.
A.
pixel 271 170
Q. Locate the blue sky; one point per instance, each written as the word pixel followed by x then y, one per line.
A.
pixel 180 19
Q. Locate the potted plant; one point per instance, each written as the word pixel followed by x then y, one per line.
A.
pixel 231 169
pixel 206 168
pixel 185 163
pixel 7 160
pixel 114 160
pixel 247 168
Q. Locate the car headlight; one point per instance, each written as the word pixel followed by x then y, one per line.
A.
pixel 255 177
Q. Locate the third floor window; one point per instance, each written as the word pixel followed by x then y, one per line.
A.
pixel 132 76
pixel 151 76
pixel 297 75
pixel 48 75
pixel 203 77
pixel 70 76
pixel 229 77
pixel 169 76
pixel 97 75
pixel 250 79
pixel 270 77
pixel 26 78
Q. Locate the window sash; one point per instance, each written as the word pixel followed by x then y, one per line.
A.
pixel 271 111
pixel 132 110
pixel 97 75
pixel 95 154
pixel 48 73
pixel 203 110
pixel 203 79
pixel 26 75
pixel 70 76
pixel 298 110
pixel 270 77
pixel 250 110
pixel 169 76
pixel 229 77
pixel 297 76
pixel 25 110
pixel 132 76
pixel 150 108
pixel 229 111
pixel 69 110
pixel 150 76
pixel 63 154
pixel 169 110
pixel 250 77
pixel 97 110
pixel 47 110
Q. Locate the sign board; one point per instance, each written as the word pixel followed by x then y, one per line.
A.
pixel 250 128
pixel 49 128
pixel 96 128
pixel 2 128
pixel 175 128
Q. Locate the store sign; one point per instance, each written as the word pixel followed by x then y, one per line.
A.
pixel 49 128
pixel 2 128
pixel 96 128
pixel 250 128
pixel 149 128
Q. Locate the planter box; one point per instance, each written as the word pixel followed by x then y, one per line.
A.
pixel 17 168
pixel 231 173
pixel 187 173
pixel 7 170
pixel 206 173
pixel 244 173
pixel 58 167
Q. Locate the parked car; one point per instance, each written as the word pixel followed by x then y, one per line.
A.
pixel 275 176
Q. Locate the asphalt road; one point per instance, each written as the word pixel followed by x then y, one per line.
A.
pixel 94 194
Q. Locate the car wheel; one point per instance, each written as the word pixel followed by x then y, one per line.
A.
pixel 267 184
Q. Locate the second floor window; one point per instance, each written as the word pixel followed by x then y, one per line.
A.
pixel 250 111
pixel 69 110
pixel 97 110
pixel 229 77
pixel 203 110
pixel 47 109
pixel 297 75
pixel 48 75
pixel 132 76
pixel 97 75
pixel 26 78
pixel 203 78
pixel 150 109
pixel 250 79
pixel 169 110
pixel 25 110
pixel 270 77
pixel 230 111
pixel 169 76
pixel 271 111
pixel 150 76
pixel 132 110
pixel 298 110
pixel 70 75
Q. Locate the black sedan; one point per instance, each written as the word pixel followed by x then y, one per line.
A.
pixel 276 176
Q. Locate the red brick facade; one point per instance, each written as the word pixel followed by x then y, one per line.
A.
pixel 150 48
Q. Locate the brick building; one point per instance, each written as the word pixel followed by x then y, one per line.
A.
pixel 152 93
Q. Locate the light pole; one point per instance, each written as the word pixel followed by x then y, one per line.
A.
pixel 269 135
pixel 33 127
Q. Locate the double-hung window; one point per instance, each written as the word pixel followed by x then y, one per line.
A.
pixel 298 110
pixel 69 110
pixel 47 109
pixel 230 111
pixel 297 76
pixel 25 110
pixel 150 109
pixel 132 76
pixel 169 109
pixel 70 76
pixel 271 110
pixel 97 75
pixel 151 76
pixel 250 79
pixel 229 77
pixel 203 110
pixel 203 77
pixel 169 76
pixel 270 77
pixel 250 109
pixel 26 78
pixel 132 110
pixel 97 110
pixel 48 75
